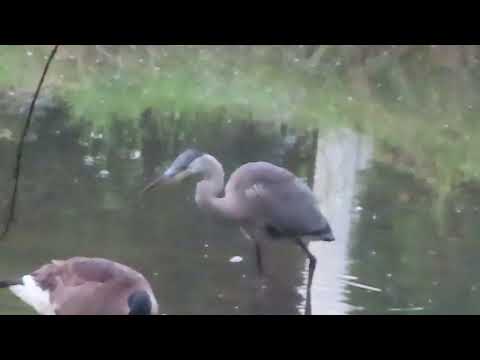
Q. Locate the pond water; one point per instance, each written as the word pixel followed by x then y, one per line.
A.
pixel 397 251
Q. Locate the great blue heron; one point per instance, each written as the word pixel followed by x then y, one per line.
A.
pixel 85 286
pixel 266 201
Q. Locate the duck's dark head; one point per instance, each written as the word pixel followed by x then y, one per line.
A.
pixel 139 303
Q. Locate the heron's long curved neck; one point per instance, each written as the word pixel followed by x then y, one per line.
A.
pixel 208 191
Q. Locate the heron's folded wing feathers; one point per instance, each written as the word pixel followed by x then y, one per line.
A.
pixel 290 207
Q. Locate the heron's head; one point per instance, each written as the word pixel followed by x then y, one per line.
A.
pixel 188 163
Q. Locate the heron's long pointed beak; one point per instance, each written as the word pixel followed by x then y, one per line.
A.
pixel 151 185
pixel 170 176
pixel 162 179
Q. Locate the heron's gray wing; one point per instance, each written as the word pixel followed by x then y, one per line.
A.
pixel 276 197
pixel 288 207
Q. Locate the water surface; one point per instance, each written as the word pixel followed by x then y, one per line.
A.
pixel 403 245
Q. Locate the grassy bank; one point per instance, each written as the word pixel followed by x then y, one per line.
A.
pixel 421 112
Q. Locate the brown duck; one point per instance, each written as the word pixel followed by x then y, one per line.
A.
pixel 85 286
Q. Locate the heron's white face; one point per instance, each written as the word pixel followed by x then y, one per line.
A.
pixel 198 165
pixel 203 166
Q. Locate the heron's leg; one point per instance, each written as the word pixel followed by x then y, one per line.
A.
pixel 258 251
pixel 311 269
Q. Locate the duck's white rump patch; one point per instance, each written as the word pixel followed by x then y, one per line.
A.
pixel 33 295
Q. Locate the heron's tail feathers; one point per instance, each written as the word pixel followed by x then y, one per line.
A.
pixel 324 233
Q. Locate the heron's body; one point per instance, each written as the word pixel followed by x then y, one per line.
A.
pixel 85 286
pixel 264 197
pixel 265 200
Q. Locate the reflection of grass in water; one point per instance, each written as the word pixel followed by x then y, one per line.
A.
pixel 433 130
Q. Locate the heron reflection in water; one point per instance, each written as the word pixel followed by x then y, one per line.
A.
pixel 266 201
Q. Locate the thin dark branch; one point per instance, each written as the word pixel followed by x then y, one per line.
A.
pixel 16 173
